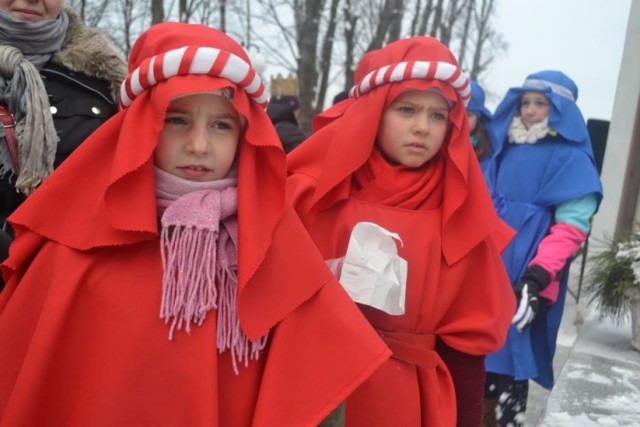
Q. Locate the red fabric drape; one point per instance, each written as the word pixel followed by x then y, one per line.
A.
pixel 451 237
pixel 82 342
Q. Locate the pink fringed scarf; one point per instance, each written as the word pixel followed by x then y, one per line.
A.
pixel 199 256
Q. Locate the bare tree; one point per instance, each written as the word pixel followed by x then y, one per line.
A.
pixel 307 20
pixel 350 23
pixel 320 41
pixel 466 29
pixel 395 27
pixel 157 11
pixel 424 20
pixel 437 19
pixel 127 13
pixel 223 15
pixel 384 20
pixel 416 17
pixel 488 43
pixel 188 8
pixel 91 11
pixel 325 55
pixel 450 19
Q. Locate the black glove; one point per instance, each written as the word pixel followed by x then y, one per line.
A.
pixel 527 290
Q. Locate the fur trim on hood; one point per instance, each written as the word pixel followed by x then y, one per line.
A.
pixel 87 50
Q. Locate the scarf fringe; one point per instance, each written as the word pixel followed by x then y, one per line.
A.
pixel 230 335
pixel 188 287
pixel 28 181
pixel 199 276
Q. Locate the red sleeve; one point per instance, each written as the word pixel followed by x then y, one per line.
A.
pixel 478 319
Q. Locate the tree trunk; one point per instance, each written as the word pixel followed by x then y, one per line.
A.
pixel 449 22
pixel 325 56
pixel 437 20
pixel 384 22
pixel 223 15
pixel 350 22
pixel 396 24
pixel 416 17
pixel 183 15
pixel 486 9
pixel 157 11
pixel 426 15
pixel 308 25
pixel 465 33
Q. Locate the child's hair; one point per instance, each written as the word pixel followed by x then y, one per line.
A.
pixel 483 148
pixel 476 106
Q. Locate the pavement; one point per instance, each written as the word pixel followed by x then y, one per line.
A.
pixel 597 373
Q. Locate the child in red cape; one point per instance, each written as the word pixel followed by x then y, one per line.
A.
pixel 176 206
pixel 397 154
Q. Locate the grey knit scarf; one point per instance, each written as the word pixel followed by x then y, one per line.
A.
pixel 24 49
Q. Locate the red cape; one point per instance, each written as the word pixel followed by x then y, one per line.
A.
pixel 457 288
pixel 82 341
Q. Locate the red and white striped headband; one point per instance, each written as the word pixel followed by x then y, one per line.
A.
pixel 408 70
pixel 193 60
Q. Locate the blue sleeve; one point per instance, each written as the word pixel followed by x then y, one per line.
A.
pixel 578 212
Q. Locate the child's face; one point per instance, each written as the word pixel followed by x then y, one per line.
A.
pixel 413 128
pixel 199 139
pixel 534 108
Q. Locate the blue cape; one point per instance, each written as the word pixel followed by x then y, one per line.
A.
pixel 527 182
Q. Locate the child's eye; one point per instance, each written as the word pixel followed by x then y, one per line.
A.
pixel 175 120
pixel 439 116
pixel 223 125
pixel 406 110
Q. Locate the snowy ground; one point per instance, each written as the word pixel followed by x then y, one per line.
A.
pixel 566 339
pixel 597 375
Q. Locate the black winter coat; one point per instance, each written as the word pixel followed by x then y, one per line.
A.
pixel 79 105
pixel 284 120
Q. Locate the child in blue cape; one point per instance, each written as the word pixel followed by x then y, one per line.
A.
pixel 545 185
pixel 480 124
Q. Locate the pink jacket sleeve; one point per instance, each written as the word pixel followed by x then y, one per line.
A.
pixel 562 242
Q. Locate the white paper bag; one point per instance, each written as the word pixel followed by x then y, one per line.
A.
pixel 373 273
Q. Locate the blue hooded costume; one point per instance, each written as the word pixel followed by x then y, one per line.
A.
pixel 528 182
pixel 476 106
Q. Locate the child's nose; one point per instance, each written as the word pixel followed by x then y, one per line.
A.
pixel 198 142
pixel 421 123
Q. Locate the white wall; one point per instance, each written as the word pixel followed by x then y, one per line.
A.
pixel 622 123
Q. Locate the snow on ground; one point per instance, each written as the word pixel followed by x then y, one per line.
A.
pixel 597 374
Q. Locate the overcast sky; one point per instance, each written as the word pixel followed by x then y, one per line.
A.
pixel 582 38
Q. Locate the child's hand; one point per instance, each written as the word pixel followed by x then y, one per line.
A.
pixel 527 290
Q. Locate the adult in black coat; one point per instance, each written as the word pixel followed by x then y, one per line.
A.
pixel 281 111
pixel 60 79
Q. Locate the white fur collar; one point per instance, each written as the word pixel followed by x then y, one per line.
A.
pixel 519 134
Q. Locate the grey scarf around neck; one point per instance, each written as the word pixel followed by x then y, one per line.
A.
pixel 37 41
pixel 25 47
